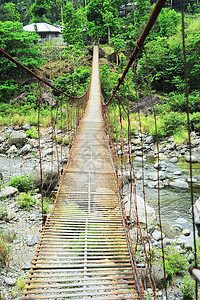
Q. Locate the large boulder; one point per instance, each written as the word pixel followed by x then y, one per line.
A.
pixel 142 208
pixel 194 159
pixel 50 176
pixel 17 138
pixel 8 191
pixel 180 184
pixel 197 212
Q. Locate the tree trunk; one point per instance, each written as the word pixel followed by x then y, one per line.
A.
pixel 108 34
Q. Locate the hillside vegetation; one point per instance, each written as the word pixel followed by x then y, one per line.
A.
pixel 116 25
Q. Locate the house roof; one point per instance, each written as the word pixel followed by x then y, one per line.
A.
pixel 42 27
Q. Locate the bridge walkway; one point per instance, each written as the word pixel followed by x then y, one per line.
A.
pixel 83 251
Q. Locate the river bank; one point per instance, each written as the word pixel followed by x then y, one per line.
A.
pixel 22 228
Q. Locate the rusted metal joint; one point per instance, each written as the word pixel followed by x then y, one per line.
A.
pixel 195 272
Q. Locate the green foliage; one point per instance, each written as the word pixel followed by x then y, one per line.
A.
pixel 23 184
pixel 8 12
pixel 26 200
pixel 4 252
pixel 32 133
pixel 39 11
pixel 19 44
pixel 3 211
pixel 188 287
pixel 74 84
pixel 75 23
pixel 108 80
pixel 21 283
pixel 175 262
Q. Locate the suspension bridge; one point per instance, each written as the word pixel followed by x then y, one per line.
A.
pixel 84 250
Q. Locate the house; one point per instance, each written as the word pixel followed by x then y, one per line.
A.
pixel 47 32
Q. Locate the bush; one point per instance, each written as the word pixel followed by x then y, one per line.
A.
pixel 4 252
pixel 32 133
pixel 175 263
pixel 25 200
pixel 3 211
pixel 23 184
pixel 188 287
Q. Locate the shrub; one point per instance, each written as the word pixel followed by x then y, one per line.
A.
pixel 175 262
pixel 23 184
pixel 4 252
pixel 25 200
pixel 3 211
pixel 32 133
pixel 188 287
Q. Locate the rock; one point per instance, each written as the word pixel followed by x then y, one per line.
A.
pixel 32 217
pixel 139 159
pixel 179 184
pixel 178 172
pixel 10 281
pixel 27 126
pixel 186 232
pixel 173 160
pixel 149 140
pixel 50 174
pixel 12 150
pixel 151 215
pixel 9 235
pixel 181 221
pixel 177 227
pixel 190 257
pixel 8 191
pixel 196 207
pixel 154 175
pixel 25 149
pixel 161 165
pixel 48 151
pixel 102 52
pixel 112 58
pixel 17 138
pixel 194 180
pixel 194 159
pixel 1 176
pixel 32 240
pixel 157 273
pixel 157 235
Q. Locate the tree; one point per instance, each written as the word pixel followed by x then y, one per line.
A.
pixel 39 10
pixel 74 23
pixel 19 44
pixel 8 12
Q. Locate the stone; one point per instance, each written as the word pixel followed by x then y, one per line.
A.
pixel 139 159
pixel 32 240
pixel 178 172
pixel 12 150
pixel 194 159
pixel 196 207
pixel 157 235
pixel 178 183
pixel 190 257
pixel 149 140
pixel 141 210
pixel 177 227
pixel 157 273
pixel 161 165
pixel 10 281
pixel 173 160
pixel 154 175
pixel 27 126
pixel 17 138
pixel 186 232
pixel 50 174
pixel 9 235
pixel 194 180
pixel 25 149
pixel 181 221
pixel 8 191
pixel 48 151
